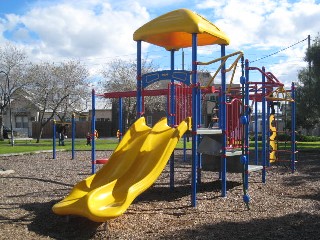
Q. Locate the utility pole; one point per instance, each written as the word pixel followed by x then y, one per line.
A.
pixel 9 103
pixel 309 45
pixel 182 59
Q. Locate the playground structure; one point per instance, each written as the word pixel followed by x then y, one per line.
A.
pixel 143 151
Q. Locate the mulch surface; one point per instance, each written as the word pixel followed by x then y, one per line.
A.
pixel 287 206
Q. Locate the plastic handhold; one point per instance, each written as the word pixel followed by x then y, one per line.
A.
pixel 244 120
pixel 242 79
pixel 243 159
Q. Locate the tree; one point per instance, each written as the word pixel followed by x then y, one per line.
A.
pixel 57 89
pixel 12 71
pixel 120 76
pixel 307 97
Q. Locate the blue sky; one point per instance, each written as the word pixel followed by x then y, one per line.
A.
pixel 98 31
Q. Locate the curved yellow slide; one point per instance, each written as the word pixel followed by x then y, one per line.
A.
pixel 134 166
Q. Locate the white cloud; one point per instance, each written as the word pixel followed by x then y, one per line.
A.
pixel 268 25
pixel 77 29
pixel 263 23
pixel 96 31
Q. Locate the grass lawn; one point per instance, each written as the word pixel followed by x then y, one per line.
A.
pixel 300 145
pixel 46 144
pixel 107 144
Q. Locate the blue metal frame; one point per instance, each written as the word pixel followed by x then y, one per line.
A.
pixel 223 127
pixel 176 75
pixel 172 118
pixel 194 121
pixel 268 134
pixel 73 135
pixel 256 119
pixel 263 117
pixel 246 135
pixel 93 128
pixel 54 139
pixel 139 85
pixel 293 129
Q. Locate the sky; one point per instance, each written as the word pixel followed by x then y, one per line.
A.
pixel 98 31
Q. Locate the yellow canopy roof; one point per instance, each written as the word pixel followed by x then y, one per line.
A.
pixel 173 31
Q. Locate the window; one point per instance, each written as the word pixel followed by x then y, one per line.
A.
pixel 22 122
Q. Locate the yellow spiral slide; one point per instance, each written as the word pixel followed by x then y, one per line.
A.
pixel 133 167
pixel 273 134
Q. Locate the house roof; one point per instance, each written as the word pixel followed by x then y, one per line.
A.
pixel 173 31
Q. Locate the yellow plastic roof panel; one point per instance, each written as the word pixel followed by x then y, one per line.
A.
pixel 173 31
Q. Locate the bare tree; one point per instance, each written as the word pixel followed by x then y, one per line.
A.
pixel 120 76
pixel 12 71
pixel 71 76
pixel 57 89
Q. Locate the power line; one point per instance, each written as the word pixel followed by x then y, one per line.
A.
pixel 283 49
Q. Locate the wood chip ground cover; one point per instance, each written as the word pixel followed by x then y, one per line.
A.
pixel 286 207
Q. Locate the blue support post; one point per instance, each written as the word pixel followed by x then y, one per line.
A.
pixel 139 84
pixel 263 121
pixel 93 128
pixel 120 121
pixel 246 135
pixel 194 121
pixel 54 126
pixel 223 127
pixel 268 135
pixel 73 135
pixel 256 148
pixel 293 129
pixel 172 119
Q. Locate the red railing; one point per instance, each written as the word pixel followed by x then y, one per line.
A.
pixel 234 127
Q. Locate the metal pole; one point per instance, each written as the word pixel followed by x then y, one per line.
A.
pixel 194 121
pixel 263 120
pixel 93 128
pixel 268 133
pixel 73 132
pixel 246 135
pixel 182 59
pixel 256 149
pixel 293 129
pixel 309 45
pixel 120 119
pixel 223 126
pixel 172 119
pixel 139 87
pixel 54 139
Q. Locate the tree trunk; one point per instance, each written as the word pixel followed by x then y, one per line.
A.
pixel 1 126
pixel 40 133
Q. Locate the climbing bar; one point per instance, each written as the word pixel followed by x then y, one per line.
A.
pixel 223 60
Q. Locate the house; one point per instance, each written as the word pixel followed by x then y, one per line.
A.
pixel 23 113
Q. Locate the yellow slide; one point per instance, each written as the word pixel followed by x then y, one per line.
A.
pixel 133 167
